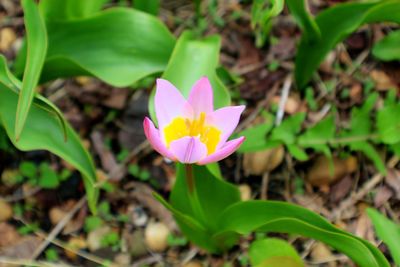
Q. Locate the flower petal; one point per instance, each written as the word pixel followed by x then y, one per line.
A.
pixel 153 135
pixel 169 103
pixel 201 97
pixel 226 120
pixel 188 149
pixel 224 152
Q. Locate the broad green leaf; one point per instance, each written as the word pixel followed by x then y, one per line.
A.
pixel 287 130
pixel 148 6
pixel 262 13
pixel 118 45
pixel 36 53
pixel 388 231
pixel 69 9
pixel 388 124
pixel 192 229
pixel 274 216
pixel 298 10
pixel 42 132
pixel 191 59
pixel 214 194
pixel 388 48
pixel 269 251
pixel 335 24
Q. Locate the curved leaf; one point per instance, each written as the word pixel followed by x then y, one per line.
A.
pixel 388 48
pixel 10 81
pixel 36 53
pixel 271 252
pixel 273 216
pixel 262 13
pixel 335 25
pixel 118 46
pixel 42 131
pixel 191 59
pixel 388 231
pixel 298 10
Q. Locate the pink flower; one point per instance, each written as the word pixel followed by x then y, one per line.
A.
pixel 190 131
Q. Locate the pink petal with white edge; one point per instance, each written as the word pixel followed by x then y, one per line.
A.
pixel 224 152
pixel 201 97
pixel 226 120
pixel 188 149
pixel 169 103
pixel 153 135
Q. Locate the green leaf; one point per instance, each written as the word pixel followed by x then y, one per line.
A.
pixel 214 194
pixel 36 53
pixel 256 137
pixel 298 10
pixel 287 130
pixel 92 223
pixel 70 9
pixel 297 152
pixel 274 216
pixel 319 136
pixel 388 48
pixel 262 13
pixel 361 117
pixel 191 59
pixel 42 132
pixel 191 227
pixel 10 81
pixel 335 24
pixel 388 231
pixel 48 177
pixel 371 153
pixel 395 148
pixel 272 252
pixel 28 169
pixel 119 46
pixel 388 124
pixel 148 6
pixel 198 220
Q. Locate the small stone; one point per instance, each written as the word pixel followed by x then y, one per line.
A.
pixel 257 163
pixel 245 192
pixel 56 215
pixel 75 243
pixel 122 259
pixel 6 211
pixel 139 217
pixel 156 235
pixel 7 38
pixel 96 236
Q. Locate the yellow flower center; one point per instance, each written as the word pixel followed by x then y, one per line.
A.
pixel 180 127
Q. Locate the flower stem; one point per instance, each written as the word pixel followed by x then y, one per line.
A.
pixel 192 193
pixel 189 178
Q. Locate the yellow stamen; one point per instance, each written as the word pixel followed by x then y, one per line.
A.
pixel 180 127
